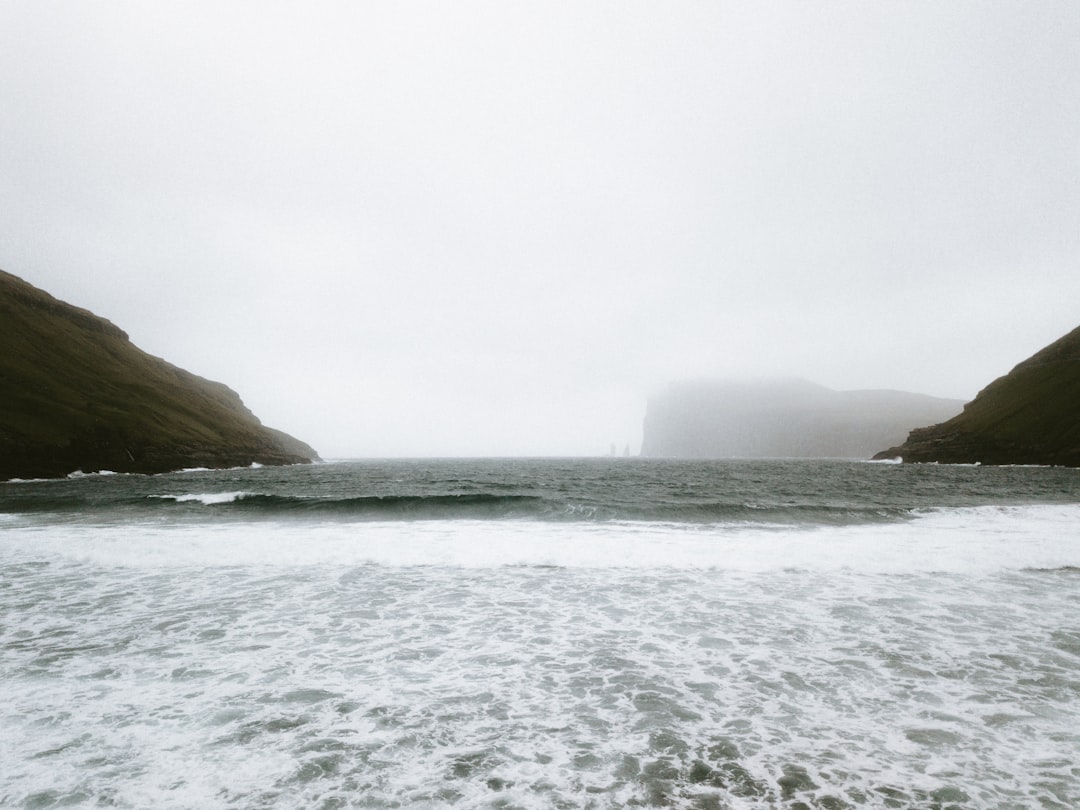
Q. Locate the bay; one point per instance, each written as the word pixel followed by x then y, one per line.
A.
pixel 543 633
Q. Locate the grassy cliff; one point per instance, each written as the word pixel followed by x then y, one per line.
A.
pixel 76 394
pixel 1029 416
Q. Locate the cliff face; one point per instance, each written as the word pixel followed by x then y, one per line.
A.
pixel 1029 416
pixel 76 394
pixel 781 419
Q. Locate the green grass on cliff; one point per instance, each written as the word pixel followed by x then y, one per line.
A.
pixel 1029 416
pixel 73 386
pixel 1039 404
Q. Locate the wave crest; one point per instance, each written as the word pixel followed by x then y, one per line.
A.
pixel 490 505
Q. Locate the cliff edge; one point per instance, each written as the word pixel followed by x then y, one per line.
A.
pixel 76 394
pixel 1029 416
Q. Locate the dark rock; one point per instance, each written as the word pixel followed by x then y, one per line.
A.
pixel 78 395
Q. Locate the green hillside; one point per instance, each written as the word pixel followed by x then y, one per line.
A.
pixel 1029 416
pixel 75 394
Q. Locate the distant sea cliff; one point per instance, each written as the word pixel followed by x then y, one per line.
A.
pixel 1029 416
pixel 781 419
pixel 76 394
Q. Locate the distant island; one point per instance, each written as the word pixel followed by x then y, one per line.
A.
pixel 76 394
pixel 781 419
pixel 1029 416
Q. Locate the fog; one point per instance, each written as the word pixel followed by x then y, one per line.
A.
pixel 494 228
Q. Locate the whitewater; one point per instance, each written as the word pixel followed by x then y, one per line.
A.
pixel 543 633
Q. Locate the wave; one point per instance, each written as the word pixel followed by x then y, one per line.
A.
pixel 1071 570
pixel 1035 541
pixel 207 498
pixel 475 505
pixel 491 504
pixel 495 505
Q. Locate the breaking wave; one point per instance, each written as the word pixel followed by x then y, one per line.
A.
pixel 487 505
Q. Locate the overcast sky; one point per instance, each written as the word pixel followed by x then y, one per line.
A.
pixel 457 228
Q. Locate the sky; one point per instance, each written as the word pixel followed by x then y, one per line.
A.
pixel 495 228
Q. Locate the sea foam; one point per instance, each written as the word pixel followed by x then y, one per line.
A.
pixel 205 498
pixel 959 539
pixel 533 687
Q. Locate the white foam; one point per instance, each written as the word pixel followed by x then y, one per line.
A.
pixel 533 688
pixel 976 539
pixel 207 498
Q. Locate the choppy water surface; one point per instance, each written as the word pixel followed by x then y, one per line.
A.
pixel 233 648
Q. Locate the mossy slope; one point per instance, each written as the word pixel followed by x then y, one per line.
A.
pixel 76 394
pixel 1029 416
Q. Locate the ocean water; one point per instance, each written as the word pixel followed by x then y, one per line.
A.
pixel 543 634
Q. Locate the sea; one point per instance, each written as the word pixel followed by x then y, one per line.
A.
pixel 543 633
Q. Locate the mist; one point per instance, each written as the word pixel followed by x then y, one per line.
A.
pixel 490 229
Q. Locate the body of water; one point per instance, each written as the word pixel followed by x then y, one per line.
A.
pixel 543 633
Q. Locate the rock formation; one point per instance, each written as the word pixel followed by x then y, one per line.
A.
pixel 781 419
pixel 76 394
pixel 1029 416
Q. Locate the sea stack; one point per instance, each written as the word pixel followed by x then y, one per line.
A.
pixel 76 394
pixel 1029 416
